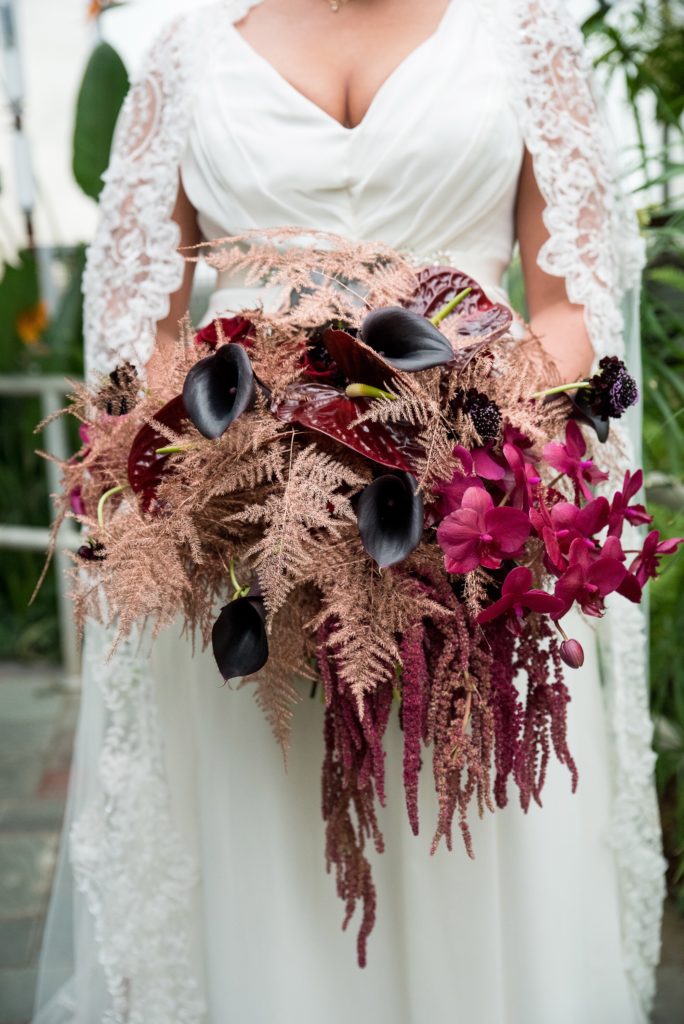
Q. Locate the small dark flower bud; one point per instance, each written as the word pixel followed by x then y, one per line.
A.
pixel 572 654
pixel 93 551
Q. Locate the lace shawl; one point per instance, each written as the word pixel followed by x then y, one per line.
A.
pixel 133 267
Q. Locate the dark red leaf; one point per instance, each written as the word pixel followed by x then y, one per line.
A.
pixel 329 411
pixel 476 316
pixel 237 329
pixel 357 361
pixel 145 468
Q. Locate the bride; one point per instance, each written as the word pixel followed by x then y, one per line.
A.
pixel 192 884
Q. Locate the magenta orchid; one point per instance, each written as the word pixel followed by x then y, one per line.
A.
pixel 569 459
pixel 480 534
pixel 566 523
pixel 588 580
pixel 518 599
pixel 621 511
pixel 645 566
pixel 451 493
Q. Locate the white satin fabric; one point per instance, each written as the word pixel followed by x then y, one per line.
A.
pixel 231 905
pixel 432 168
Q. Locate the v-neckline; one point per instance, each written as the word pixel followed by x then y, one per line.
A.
pixel 377 95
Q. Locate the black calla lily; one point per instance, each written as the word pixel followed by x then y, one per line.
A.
pixel 218 389
pixel 239 639
pixel 405 339
pixel 390 516
pixel 583 412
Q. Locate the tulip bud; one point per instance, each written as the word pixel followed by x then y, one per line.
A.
pixel 572 654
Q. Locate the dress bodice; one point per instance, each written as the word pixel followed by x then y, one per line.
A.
pixel 431 169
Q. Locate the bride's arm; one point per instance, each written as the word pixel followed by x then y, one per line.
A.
pixel 559 325
pixel 185 216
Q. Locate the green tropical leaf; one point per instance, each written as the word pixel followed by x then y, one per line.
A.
pixel 103 88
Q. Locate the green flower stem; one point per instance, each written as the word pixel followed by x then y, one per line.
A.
pixel 238 589
pixel 367 391
pixel 171 449
pixel 451 305
pixel 104 499
pixel 562 388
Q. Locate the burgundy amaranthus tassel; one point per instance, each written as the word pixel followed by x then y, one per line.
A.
pixel 415 684
pixel 507 709
pixel 545 721
pixel 353 776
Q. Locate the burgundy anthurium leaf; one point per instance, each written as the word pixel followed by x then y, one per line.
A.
pixel 485 325
pixel 328 411
pixel 476 316
pixel 358 361
pixel 146 469
pixel 437 285
pixel 237 329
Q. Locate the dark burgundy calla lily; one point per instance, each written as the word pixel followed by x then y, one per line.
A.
pixel 328 411
pixel 237 329
pixel 406 340
pixel 218 389
pixel 390 517
pixel 239 638
pixel 145 467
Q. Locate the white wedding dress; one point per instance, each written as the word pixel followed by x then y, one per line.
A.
pixel 200 887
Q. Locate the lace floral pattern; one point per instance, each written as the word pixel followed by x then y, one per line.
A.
pixel 127 857
pixel 594 244
pixel 133 264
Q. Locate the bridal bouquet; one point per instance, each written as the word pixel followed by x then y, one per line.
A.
pixel 378 489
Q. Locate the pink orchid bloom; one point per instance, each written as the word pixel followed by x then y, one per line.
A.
pixel 451 493
pixel 480 534
pixel 569 458
pixel 525 476
pixel 646 564
pixel 588 581
pixel 566 523
pixel 76 502
pixel 621 511
pixel 517 600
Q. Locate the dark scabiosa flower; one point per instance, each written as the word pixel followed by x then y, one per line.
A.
pixel 218 389
pixel 484 413
pixel 390 517
pixel 610 393
pixel 612 390
pixel 238 639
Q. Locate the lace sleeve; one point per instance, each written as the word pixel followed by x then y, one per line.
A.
pixel 133 264
pixel 594 241
pixel 594 244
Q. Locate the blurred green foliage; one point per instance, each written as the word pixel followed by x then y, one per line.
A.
pixel 103 88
